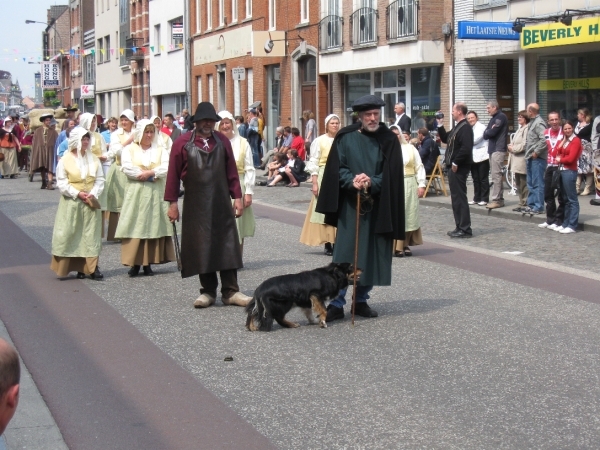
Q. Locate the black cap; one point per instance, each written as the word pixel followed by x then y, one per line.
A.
pixel 205 110
pixel 367 102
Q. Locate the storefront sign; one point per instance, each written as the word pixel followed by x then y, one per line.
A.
pixel 50 75
pixel 569 84
pixel 487 30
pixel 553 34
pixel 177 30
pixel 87 91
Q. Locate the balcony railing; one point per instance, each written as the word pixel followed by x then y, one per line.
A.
pixel 134 50
pixel 330 33
pixel 363 23
pixel 401 19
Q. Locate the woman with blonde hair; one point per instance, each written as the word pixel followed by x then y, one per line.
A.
pixel 414 189
pixel 144 227
pixel 585 164
pixel 77 238
pixel 315 231
pixel 244 161
pixel 516 160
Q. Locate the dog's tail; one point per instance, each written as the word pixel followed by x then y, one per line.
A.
pixel 258 319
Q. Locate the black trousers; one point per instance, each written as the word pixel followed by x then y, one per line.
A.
pixel 229 284
pixel 457 182
pixel 554 215
pixel 480 172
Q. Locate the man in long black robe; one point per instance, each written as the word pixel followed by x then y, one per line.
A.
pixel 364 156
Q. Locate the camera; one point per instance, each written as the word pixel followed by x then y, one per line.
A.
pixel 439 115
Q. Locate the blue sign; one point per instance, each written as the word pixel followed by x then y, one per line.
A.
pixel 487 30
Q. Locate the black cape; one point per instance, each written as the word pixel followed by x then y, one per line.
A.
pixel 391 219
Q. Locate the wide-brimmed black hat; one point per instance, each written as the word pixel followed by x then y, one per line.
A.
pixel 46 116
pixel 367 102
pixel 70 108
pixel 205 110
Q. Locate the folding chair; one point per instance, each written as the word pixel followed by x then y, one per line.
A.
pixel 437 178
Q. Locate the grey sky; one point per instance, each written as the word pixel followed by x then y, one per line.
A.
pixel 18 40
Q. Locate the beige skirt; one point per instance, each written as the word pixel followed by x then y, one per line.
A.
pixel 113 221
pixel 62 266
pixel 142 252
pixel 315 234
pixel 412 238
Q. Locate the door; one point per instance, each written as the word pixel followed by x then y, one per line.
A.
pixel 308 80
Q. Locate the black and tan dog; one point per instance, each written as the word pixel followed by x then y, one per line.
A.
pixel 308 290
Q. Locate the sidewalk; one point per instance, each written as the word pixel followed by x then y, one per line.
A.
pixel 589 216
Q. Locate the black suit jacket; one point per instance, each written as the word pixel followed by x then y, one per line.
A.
pixel 404 123
pixel 460 151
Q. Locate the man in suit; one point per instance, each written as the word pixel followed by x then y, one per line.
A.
pixel 458 160
pixel 402 120
pixel 170 127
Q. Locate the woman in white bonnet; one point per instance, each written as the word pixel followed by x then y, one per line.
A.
pixel 246 224
pixel 77 238
pixel 315 231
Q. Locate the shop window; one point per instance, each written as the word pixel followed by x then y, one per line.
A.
pixel 425 95
pixel 176 26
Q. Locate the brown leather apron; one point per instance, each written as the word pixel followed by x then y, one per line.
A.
pixel 209 239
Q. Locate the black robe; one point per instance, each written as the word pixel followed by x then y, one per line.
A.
pixel 378 155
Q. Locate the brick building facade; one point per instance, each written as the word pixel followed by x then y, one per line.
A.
pixel 397 50
pixel 276 45
pixel 140 62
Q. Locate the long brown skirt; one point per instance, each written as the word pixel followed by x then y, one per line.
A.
pixel 63 265
pixel 113 221
pixel 142 252
pixel 315 234
pixel 412 238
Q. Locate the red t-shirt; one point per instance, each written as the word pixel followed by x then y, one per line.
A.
pixel 166 130
pixel 298 145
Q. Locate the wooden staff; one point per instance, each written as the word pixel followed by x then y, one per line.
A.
pixel 355 255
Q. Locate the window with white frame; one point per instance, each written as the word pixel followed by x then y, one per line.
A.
pixel 272 22
pixel 89 73
pixel 333 7
pixel 208 14
pixel 199 88
pixel 107 48
pixel 100 50
pixel 157 41
pixel 484 4
pixel 176 26
pixel 250 84
pixel 198 16
pixel 210 89
pixel 248 9
pixel 234 11
pixel 303 11
pixel 221 13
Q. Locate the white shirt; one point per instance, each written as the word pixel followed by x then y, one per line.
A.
pixel 249 170
pixel 133 171
pixel 62 182
pixel 115 143
pixel 419 168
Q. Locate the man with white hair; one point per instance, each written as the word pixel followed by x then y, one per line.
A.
pixel 365 158
pixel 402 120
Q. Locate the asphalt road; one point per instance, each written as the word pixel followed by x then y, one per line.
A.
pixel 473 348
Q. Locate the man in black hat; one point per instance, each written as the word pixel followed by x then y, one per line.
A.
pixel 365 157
pixel 204 160
pixel 70 110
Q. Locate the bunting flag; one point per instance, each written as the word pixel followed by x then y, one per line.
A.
pixel 121 51
pixel 162 48
pixel 112 51
pixel 152 48
pixel 102 51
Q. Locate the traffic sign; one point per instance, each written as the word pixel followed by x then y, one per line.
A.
pixel 238 73
pixel 50 75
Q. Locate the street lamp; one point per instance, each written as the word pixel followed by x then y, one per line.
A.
pixel 52 24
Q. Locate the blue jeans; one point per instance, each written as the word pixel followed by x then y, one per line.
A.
pixel 568 191
pixel 535 183
pixel 362 295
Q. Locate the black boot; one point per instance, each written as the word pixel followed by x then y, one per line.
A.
pixel 364 310
pixel 148 271
pixel 97 275
pixel 334 313
pixel 80 275
pixel 328 249
pixel 133 272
